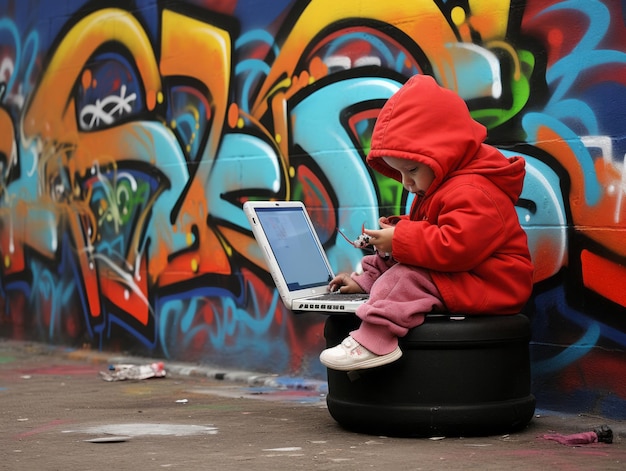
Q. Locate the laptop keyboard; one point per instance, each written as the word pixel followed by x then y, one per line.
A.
pixel 342 297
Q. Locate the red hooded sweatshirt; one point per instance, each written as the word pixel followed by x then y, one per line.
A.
pixel 464 229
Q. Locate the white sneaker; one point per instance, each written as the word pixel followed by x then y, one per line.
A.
pixel 351 355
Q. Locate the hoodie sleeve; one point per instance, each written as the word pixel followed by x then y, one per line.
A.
pixel 469 229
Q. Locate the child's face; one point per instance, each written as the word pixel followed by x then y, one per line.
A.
pixel 416 177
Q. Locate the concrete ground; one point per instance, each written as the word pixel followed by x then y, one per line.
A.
pixel 58 413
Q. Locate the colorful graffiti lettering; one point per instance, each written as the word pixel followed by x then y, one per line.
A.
pixel 131 137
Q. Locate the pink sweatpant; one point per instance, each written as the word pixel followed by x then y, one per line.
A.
pixel 399 299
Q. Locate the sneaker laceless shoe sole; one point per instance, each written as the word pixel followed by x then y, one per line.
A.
pixel 350 355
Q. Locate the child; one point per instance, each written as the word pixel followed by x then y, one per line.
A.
pixel 461 248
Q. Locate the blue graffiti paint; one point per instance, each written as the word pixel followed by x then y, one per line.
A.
pixel 320 132
pixel 55 292
pixel 532 122
pixel 179 322
pixel 145 338
pixel 570 354
pixel 566 71
pixel 244 164
pixel 254 14
pixel 554 300
pixel 611 98
pixel 250 71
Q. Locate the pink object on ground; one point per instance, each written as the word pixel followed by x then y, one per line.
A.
pixel 602 434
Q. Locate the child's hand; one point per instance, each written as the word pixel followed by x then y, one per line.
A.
pixel 381 238
pixel 389 221
pixel 386 222
pixel 344 284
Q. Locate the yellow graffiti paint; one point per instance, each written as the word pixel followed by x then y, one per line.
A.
pixel 490 18
pixel 184 40
pixel 49 115
pixel 421 21
pixel 458 15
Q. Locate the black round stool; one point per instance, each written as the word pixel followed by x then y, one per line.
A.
pixel 458 376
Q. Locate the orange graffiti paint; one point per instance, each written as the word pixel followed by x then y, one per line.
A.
pixel 604 277
pixel 602 221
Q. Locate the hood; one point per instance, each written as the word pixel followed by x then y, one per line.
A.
pixel 432 125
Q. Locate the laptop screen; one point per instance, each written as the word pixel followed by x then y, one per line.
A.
pixel 295 247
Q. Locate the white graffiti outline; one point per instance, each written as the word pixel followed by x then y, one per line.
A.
pixel 92 116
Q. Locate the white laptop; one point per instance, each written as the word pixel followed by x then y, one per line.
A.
pixel 296 259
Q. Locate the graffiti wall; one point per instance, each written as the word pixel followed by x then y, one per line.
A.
pixel 132 132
